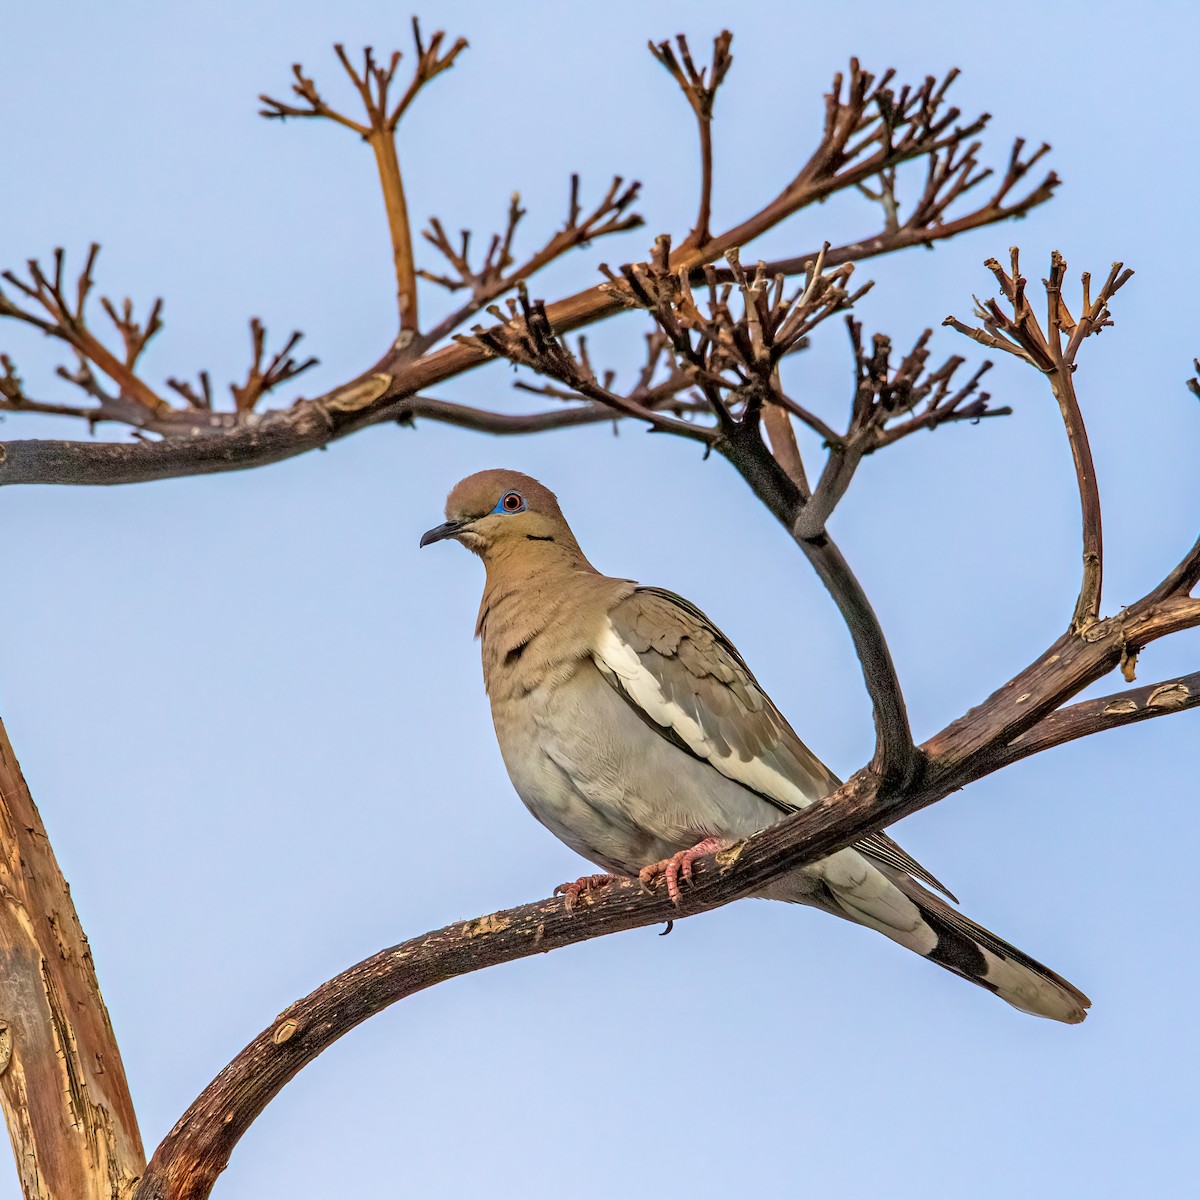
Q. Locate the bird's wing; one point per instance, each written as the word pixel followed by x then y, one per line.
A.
pixel 687 681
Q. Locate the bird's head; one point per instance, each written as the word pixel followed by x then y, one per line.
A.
pixel 493 512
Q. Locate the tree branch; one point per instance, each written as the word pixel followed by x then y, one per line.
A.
pixel 373 84
pixel 871 127
pixel 1052 351
pixel 493 278
pixel 1100 715
pixel 700 88
pixel 62 1085
pixel 188 1161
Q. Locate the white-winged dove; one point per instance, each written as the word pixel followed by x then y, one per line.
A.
pixel 632 729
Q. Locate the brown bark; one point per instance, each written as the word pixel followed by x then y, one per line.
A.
pixel 62 1085
pixel 871 127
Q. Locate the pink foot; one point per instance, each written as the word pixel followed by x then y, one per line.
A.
pixel 574 892
pixel 679 865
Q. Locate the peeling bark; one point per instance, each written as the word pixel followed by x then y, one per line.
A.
pixel 62 1085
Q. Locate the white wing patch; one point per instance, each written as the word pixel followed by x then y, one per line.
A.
pixel 864 892
pixel 615 657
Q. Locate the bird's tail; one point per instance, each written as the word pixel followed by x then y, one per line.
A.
pixel 882 897
pixel 978 955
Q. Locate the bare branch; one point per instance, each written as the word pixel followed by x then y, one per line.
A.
pixel 68 323
pixel 493 277
pixel 733 350
pixel 202 399
pixel 1052 350
pixel 373 83
pixel 526 337
pixel 888 404
pixel 259 380
pixel 1099 716
pixel 888 127
pixel 700 88
pixel 928 223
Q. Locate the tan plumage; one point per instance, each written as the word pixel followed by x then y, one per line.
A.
pixel 632 728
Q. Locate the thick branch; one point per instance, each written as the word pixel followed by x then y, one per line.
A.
pixel 306 427
pixel 896 762
pixel 62 1084
pixel 188 1162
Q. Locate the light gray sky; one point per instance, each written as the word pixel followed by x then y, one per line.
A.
pixel 252 714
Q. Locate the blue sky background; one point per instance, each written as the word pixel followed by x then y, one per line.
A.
pixel 252 715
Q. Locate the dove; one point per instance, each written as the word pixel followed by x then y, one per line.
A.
pixel 636 733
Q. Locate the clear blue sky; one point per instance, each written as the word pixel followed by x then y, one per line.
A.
pixel 252 714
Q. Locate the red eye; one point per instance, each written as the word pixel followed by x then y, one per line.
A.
pixel 512 502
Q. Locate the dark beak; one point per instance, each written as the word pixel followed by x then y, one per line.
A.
pixel 441 532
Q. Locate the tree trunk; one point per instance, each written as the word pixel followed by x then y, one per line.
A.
pixel 62 1085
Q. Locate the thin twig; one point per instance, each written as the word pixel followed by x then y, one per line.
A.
pixel 373 83
pixel 1052 349
pixel 700 87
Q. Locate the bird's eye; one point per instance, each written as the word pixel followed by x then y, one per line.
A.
pixel 510 502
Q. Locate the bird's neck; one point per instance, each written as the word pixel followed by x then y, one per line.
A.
pixel 541 608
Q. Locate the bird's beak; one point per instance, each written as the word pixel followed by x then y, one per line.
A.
pixel 439 533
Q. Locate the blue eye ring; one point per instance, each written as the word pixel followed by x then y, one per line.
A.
pixel 510 502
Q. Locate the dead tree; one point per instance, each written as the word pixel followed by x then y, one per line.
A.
pixel 720 324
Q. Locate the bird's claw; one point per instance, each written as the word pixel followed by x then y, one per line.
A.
pixel 574 892
pixel 678 866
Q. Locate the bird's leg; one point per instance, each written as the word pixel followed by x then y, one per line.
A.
pixel 574 892
pixel 679 865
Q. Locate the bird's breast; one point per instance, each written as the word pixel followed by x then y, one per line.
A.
pixel 591 770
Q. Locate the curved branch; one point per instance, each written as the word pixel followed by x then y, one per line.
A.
pixel 188 1161
pixel 897 762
